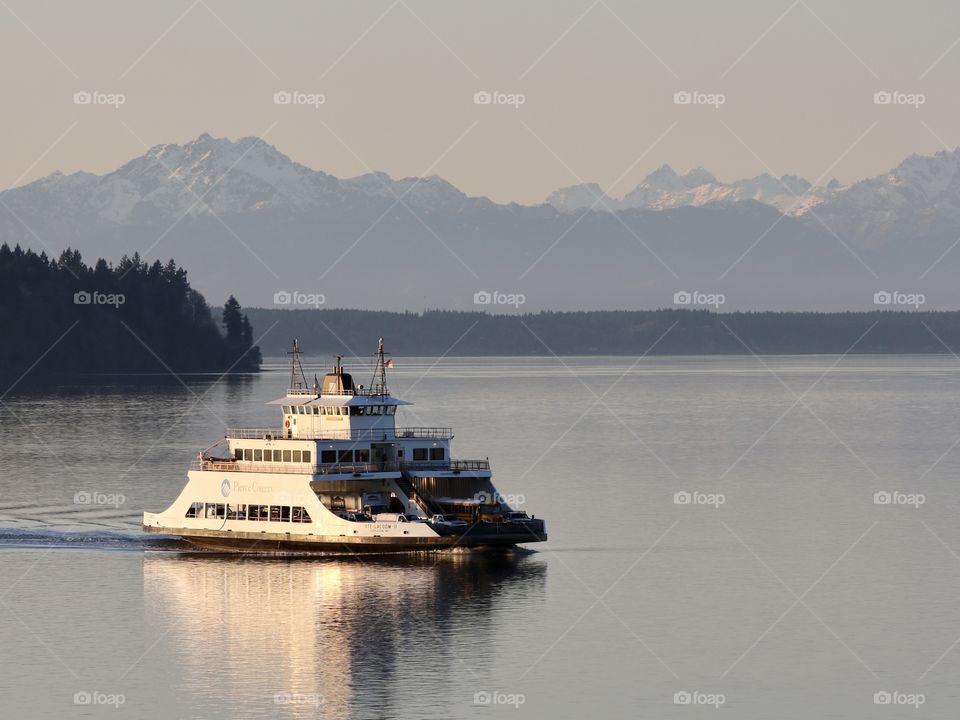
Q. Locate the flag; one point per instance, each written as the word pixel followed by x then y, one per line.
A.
pixel 388 363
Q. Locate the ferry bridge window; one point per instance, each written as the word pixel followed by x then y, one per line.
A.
pixel 297 454
pixel 362 455
pixel 346 456
pixel 316 410
pixel 328 456
pixel 306 456
pixel 436 453
pixel 248 454
pixel 194 508
pixel 257 455
pixel 391 409
pixel 277 456
pixel 419 453
pixel 238 454
pixel 286 456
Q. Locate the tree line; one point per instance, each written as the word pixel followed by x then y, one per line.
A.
pixel 65 316
pixel 655 332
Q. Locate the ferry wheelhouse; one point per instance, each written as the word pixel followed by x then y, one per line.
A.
pixel 339 475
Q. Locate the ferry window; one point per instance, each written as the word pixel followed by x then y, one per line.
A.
pixel 362 455
pixel 419 453
pixel 258 512
pixel 400 453
pixel 323 410
pixel 328 456
pixel 344 411
pixel 238 454
pixel 356 410
pixel 286 456
pixel 194 509
pixel 316 410
pixel 306 456
pixel 277 457
pixel 274 513
pixel 236 512
pixel 300 515
pixel 346 456
pixel 286 409
pixel 285 513
pixel 257 455
pixel 297 455
pixel 391 409
pixel 248 454
pixel 216 510
pixel 436 453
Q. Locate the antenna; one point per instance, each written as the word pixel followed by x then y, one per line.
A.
pixel 296 367
pixel 378 386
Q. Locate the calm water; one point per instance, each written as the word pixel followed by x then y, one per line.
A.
pixel 782 590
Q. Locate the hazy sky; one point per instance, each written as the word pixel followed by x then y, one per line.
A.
pixel 399 78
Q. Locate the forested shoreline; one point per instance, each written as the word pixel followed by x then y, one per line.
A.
pixel 64 316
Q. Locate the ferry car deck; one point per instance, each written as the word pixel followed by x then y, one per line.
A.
pixel 338 475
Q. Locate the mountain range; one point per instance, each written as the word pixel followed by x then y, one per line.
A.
pixel 246 219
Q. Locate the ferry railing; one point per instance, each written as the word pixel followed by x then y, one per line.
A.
pixel 223 465
pixel 254 433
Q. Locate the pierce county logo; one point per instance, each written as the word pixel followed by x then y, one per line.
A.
pixel 225 488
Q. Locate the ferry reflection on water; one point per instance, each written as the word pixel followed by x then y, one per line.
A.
pixel 338 637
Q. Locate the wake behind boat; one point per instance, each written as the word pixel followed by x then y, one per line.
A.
pixel 339 475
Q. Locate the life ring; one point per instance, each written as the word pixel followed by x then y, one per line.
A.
pixel 286 424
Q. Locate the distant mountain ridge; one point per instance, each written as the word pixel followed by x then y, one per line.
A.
pixel 267 224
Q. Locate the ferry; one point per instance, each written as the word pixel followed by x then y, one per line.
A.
pixel 338 475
